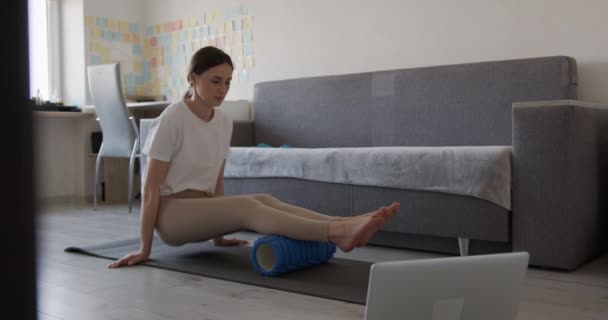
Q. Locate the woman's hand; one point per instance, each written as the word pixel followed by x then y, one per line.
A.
pixel 222 242
pixel 131 259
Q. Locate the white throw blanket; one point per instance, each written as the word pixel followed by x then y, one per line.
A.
pixel 479 171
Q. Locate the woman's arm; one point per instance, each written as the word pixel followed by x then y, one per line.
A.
pixel 219 186
pixel 156 173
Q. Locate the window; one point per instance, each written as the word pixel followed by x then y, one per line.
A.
pixel 44 49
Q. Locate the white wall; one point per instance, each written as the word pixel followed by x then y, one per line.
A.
pixel 129 10
pixel 295 38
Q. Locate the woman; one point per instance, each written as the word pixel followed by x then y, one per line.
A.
pixel 183 197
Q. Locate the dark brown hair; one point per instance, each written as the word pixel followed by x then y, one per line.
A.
pixel 202 60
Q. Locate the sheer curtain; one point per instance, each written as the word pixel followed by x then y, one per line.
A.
pixel 39 48
pixel 44 46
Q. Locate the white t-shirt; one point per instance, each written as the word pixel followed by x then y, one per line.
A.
pixel 194 148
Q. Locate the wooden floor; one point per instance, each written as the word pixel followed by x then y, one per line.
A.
pixel 72 286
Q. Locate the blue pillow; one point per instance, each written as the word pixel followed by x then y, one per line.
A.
pixel 263 145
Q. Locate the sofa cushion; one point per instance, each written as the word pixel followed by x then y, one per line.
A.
pixel 479 171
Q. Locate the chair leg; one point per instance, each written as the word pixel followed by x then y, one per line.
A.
pixel 131 165
pixel 131 169
pixel 95 188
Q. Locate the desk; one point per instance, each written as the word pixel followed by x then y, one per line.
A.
pixel 151 105
pixel 139 110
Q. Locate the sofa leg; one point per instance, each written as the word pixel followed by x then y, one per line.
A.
pixel 463 243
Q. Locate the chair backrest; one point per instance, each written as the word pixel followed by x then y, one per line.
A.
pixel 105 87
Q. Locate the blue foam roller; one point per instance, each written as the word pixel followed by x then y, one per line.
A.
pixel 274 255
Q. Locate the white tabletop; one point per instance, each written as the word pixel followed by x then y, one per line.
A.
pixel 151 105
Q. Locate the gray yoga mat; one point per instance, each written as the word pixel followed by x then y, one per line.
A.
pixel 339 279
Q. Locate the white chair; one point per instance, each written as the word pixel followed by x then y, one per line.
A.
pixel 120 134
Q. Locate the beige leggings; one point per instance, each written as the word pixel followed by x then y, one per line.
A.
pixel 194 216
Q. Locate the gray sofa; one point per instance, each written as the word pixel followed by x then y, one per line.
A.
pixel 558 158
pixel 558 162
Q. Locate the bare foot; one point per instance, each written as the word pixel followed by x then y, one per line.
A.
pixel 352 233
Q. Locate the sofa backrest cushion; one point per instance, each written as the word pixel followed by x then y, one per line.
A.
pixel 451 105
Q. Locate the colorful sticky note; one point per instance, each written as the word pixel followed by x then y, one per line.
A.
pixel 163 28
pixel 247 50
pixel 133 27
pixel 229 39
pixel 95 59
pixel 204 31
pixel 89 21
pixel 137 66
pixel 220 28
pixel 239 62
pixel 105 55
pixel 135 37
pixel 247 37
pixel 149 31
pixel 201 21
pixel 156 29
pixel 247 22
pixel 102 22
pixel 228 27
pixel 107 34
pixel 123 26
pixel 238 25
pixel 238 37
pixel 244 76
pixel 188 48
pixel 112 25
pixel 129 79
pixel 153 42
pixel 220 42
pixel 97 34
pixel 249 62
pixel 153 62
pixel 126 37
pixel 117 36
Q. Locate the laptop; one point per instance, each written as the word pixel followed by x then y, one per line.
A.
pixel 479 287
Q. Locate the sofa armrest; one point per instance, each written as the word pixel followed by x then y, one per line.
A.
pixel 242 134
pixel 557 214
